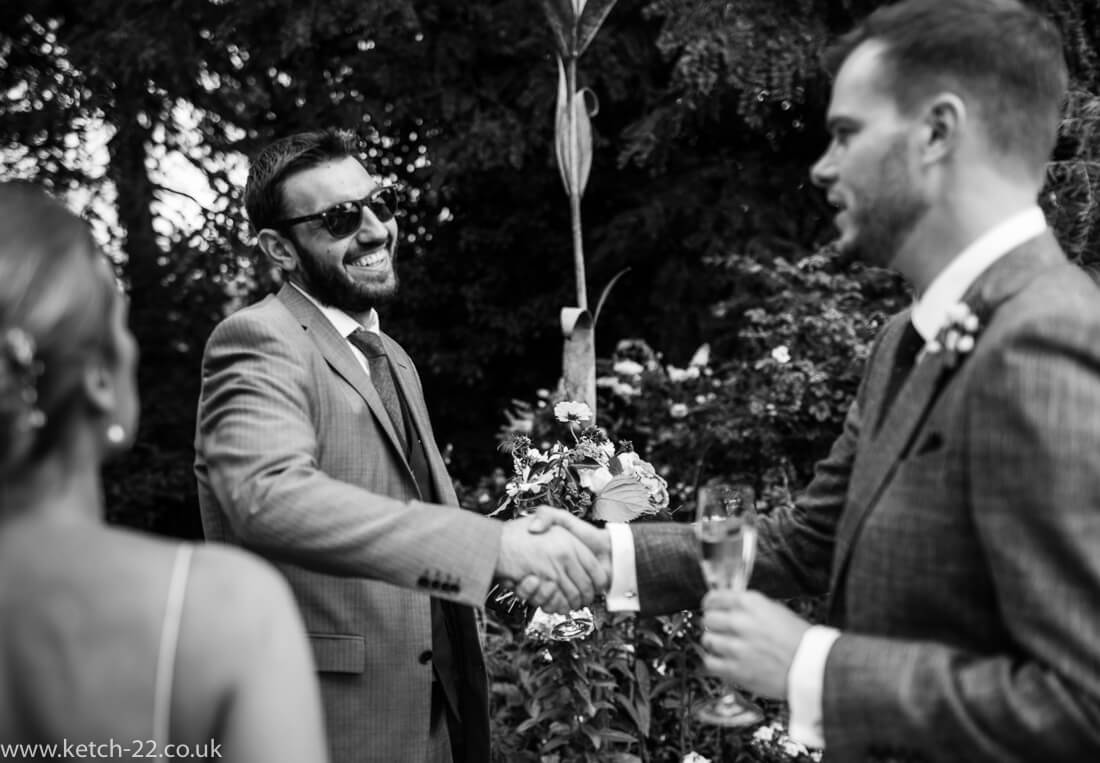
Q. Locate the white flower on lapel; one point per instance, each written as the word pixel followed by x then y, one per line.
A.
pixel 957 337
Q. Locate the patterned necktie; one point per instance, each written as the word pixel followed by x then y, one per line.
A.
pixel 444 615
pixel 381 376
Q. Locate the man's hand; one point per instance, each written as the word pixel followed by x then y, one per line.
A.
pixel 559 572
pixel 751 640
pixel 544 519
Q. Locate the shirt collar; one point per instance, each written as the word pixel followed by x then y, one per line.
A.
pixel 340 320
pixel 929 313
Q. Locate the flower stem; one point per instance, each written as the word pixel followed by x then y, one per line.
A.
pixel 575 191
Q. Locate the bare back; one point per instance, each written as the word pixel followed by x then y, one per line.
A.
pixel 86 614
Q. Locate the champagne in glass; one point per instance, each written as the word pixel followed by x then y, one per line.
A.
pixel 726 526
pixel 724 554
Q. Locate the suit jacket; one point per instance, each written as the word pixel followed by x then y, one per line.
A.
pixel 959 542
pixel 297 459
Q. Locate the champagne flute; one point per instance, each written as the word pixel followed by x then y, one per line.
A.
pixel 577 623
pixel 726 528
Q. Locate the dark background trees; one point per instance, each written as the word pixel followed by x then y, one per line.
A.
pixel 709 115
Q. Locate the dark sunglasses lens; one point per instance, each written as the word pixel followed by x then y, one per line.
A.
pixel 343 220
pixel 383 203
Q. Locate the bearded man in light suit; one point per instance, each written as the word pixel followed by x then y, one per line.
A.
pixel 314 449
pixel 955 524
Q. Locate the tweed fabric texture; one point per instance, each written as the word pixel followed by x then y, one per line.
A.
pixel 960 538
pixel 298 460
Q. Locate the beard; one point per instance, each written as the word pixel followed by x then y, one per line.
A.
pixel 884 216
pixel 333 287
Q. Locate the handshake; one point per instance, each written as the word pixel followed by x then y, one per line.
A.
pixel 554 560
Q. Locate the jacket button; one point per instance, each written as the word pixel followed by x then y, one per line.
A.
pixel 425 657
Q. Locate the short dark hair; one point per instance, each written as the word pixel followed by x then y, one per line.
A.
pixel 1004 57
pixel 263 193
pixel 55 292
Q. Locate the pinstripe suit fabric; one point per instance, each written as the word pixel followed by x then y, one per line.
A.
pixel 297 460
pixel 960 543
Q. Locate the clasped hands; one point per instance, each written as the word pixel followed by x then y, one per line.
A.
pixel 559 562
pixel 554 560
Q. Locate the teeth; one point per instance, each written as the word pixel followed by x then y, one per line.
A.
pixel 370 260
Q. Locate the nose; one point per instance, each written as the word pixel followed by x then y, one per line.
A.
pixel 370 227
pixel 823 172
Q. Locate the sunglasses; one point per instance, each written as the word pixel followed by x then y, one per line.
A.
pixel 344 219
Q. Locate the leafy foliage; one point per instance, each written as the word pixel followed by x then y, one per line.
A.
pixel 1071 198
pixel 744 408
pixel 623 694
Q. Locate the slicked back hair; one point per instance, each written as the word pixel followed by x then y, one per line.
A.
pixel 54 287
pixel 263 193
pixel 1004 59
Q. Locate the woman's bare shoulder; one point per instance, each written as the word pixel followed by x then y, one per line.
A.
pixel 235 601
pixel 236 583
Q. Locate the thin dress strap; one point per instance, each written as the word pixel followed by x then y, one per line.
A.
pixel 169 638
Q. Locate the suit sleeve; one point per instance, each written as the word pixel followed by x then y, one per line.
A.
pixel 1032 453
pixel 260 446
pixel 795 545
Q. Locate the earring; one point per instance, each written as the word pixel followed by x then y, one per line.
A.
pixel 116 435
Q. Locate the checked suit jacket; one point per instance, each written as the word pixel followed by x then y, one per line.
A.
pixel 958 543
pixel 297 460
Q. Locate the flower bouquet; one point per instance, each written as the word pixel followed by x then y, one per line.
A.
pixel 590 476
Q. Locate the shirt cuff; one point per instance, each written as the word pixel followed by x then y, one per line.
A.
pixel 622 596
pixel 805 685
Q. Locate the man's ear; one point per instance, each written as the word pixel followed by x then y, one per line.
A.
pixel 278 249
pixel 99 388
pixel 945 119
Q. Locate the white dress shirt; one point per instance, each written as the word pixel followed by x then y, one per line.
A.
pixel 345 325
pixel 806 678
pixel 622 596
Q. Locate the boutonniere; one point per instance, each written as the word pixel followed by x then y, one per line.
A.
pixel 957 337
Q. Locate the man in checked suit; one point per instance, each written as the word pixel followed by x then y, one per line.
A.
pixel 314 449
pixel 955 524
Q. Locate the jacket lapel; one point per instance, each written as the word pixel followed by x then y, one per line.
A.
pixel 338 355
pixel 420 432
pixel 881 452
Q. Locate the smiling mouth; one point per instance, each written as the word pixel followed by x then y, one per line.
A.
pixel 370 259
